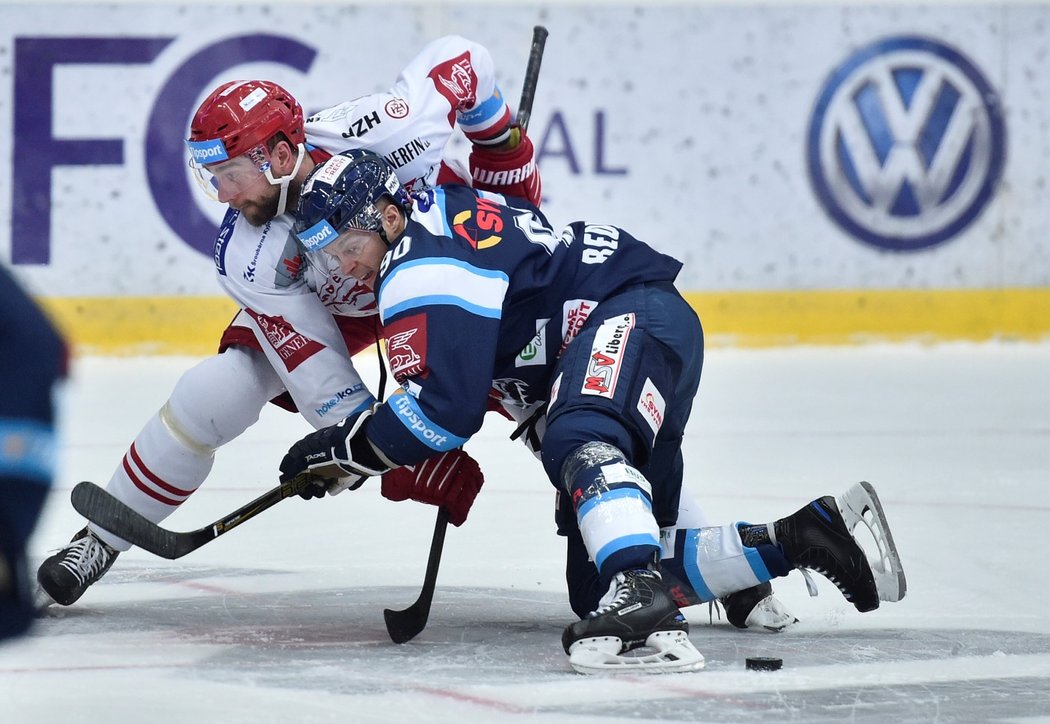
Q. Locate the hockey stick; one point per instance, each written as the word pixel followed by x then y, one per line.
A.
pixel 108 513
pixel 406 624
pixel 532 76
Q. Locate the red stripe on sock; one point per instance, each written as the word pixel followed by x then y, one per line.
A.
pixel 167 488
pixel 145 488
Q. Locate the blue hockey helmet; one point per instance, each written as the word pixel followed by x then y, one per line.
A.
pixel 341 194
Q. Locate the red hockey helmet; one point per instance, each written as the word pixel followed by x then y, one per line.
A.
pixel 241 115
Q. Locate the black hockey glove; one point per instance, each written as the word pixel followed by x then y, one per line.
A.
pixel 334 458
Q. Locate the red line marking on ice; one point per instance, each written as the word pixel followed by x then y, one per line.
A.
pixel 207 588
pixel 470 699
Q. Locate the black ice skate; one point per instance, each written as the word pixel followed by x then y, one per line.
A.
pixel 821 537
pixel 638 611
pixel 757 608
pixel 66 575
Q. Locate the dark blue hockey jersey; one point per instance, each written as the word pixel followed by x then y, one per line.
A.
pixel 478 300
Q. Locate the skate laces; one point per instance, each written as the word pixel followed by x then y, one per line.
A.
pixel 620 591
pixel 85 558
pixel 714 607
pixel 811 585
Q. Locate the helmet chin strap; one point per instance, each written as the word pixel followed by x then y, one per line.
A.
pixel 284 181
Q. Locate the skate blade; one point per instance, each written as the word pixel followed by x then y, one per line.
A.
pixel 860 504
pixel 675 653
pixel 41 600
pixel 769 614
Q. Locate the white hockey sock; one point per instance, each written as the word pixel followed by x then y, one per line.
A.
pixel 212 403
pixel 158 473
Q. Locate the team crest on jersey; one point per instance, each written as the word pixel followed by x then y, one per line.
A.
pixel 396 108
pixel 651 404
pixel 406 346
pixel 606 361
pixel 456 80
pixel 292 347
pixel 481 231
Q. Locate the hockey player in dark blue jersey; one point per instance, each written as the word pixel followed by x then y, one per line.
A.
pixel 33 358
pixel 584 334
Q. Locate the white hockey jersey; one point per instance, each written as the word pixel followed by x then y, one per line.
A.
pixel 290 303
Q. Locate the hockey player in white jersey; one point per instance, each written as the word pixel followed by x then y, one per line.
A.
pixel 480 298
pixel 300 323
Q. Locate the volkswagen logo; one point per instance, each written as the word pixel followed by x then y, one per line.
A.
pixel 906 144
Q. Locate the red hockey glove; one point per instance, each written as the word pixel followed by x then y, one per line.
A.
pixel 511 173
pixel 450 480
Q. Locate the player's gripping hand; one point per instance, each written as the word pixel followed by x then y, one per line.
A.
pixel 450 480
pixel 334 458
pixel 511 172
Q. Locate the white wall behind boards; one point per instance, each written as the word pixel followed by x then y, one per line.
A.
pixel 769 146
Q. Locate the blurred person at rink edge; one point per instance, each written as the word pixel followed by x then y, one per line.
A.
pixel 301 319
pixel 34 359
pixel 583 333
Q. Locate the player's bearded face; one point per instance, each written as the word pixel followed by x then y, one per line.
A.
pixel 241 183
pixel 261 206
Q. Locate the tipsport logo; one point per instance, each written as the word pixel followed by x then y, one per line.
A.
pixel 204 152
pixel 906 144
pixel 318 236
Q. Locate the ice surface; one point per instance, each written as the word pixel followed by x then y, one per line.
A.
pixel 281 620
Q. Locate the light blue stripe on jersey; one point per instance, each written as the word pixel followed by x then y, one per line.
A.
pixel 692 568
pixel 445 281
pixel 411 415
pixel 27 450
pixel 614 494
pixel 758 566
pixel 610 522
pixel 627 541
pixel 480 115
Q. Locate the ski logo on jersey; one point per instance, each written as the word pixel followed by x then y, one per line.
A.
pixel 406 346
pixel 456 80
pixel 651 404
pixel 574 313
pixel 292 347
pixel 360 126
pixel 396 108
pixel 483 232
pixel 535 352
pixel 603 368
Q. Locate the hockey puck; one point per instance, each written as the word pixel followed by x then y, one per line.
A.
pixel 763 663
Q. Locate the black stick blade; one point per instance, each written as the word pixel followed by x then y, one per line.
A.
pixel 108 513
pixel 405 625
